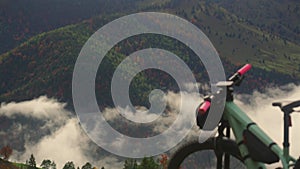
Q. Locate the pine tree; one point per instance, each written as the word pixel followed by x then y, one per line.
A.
pixel 31 161
pixel 69 165
pixel 53 165
pixel 47 164
pixel 87 166
pixel 148 163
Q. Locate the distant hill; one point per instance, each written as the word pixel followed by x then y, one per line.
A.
pixel 22 19
pixel 44 63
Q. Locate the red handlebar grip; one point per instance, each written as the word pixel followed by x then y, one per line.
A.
pixel 244 69
pixel 204 107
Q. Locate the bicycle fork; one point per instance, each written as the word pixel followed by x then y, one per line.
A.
pixel 219 154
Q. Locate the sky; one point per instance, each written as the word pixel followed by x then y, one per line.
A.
pixel 66 141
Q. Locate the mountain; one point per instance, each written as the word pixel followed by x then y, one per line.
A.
pixel 44 63
pixel 22 19
pixel 275 17
pixel 41 40
pixel 240 41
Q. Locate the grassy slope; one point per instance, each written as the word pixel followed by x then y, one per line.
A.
pixel 241 42
pixel 10 165
pixel 24 166
pixel 273 16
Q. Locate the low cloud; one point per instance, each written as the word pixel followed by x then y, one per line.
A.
pixel 64 141
pixel 68 142
pixel 258 106
pixel 39 108
pixel 177 108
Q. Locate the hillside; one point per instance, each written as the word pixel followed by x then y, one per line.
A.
pixel 23 19
pixel 275 17
pixel 9 165
pixel 41 42
pixel 44 64
pixel 240 42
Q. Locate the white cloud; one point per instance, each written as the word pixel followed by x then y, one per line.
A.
pixel 190 87
pixel 269 118
pixel 66 140
pixel 66 144
pixel 40 108
pixel 69 143
pixel 142 115
pixel 174 101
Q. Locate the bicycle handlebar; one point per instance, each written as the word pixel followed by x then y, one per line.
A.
pixel 287 106
pixel 236 79
pixel 244 69
pixel 204 107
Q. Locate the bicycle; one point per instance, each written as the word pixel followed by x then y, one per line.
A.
pixel 251 149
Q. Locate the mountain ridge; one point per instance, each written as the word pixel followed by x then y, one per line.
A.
pixel 43 64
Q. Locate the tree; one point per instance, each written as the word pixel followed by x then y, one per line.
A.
pixel 148 163
pixel 69 165
pixel 53 165
pixel 47 164
pixel 130 164
pixel 87 166
pixel 164 161
pixel 6 152
pixel 31 161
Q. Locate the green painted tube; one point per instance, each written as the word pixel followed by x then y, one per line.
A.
pixel 239 122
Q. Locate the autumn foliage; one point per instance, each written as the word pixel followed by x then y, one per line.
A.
pixel 164 161
pixel 6 152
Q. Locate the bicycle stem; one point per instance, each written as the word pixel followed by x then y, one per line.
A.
pixel 286 144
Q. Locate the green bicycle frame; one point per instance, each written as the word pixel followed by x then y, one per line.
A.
pixel 239 122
